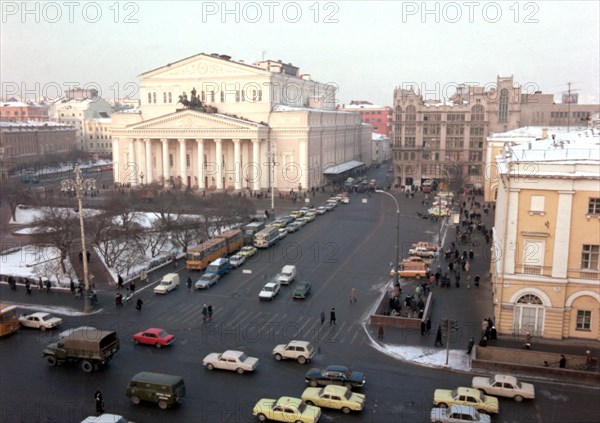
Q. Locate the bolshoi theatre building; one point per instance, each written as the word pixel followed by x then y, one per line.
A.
pixel 208 122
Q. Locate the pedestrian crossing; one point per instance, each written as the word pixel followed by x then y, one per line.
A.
pixel 250 326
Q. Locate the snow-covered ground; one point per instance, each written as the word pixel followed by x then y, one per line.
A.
pixel 27 215
pixel 34 262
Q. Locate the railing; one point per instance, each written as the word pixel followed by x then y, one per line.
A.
pixel 527 269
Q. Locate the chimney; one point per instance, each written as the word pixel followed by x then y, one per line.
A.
pixel 544 133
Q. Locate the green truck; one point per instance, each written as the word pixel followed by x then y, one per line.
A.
pixel 92 348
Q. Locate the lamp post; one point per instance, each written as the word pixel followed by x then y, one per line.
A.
pixel 79 184
pixel 379 191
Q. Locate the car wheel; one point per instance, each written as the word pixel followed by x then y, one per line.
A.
pixel 262 417
pixel 210 366
pixel 313 383
pixel 136 342
pixel 240 370
pixel 345 410
pixel 51 360
pixel 43 328
pixel 135 400
pixel 158 345
pixel 443 405
pixel 87 366
pixel 518 398
pixel 162 404
pixel 278 357
pixel 417 277
pixel 301 359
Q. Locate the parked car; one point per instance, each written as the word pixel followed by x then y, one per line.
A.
pixel 230 360
pixel 40 321
pixel 458 414
pixel 247 251
pixel 287 274
pixel 282 233
pixel 302 290
pixel 329 206
pixel 237 260
pixel 504 386
pixel 286 409
pixel 421 252
pixel 304 210
pixel 153 336
pixel 269 291
pixel 335 375
pixel 296 214
pixel 336 397
pixel 346 200
pixel 206 281
pixel 301 351
pixel 321 210
pixel 169 282
pixel 310 216
pixel 302 221
pixel 293 227
pixel 220 266
pixel 466 396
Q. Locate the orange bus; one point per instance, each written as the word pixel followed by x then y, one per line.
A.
pixel 234 239
pixel 200 256
pixel 9 320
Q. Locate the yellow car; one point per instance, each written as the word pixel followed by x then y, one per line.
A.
pixel 466 396
pixel 286 409
pixel 310 216
pixel 247 251
pixel 336 397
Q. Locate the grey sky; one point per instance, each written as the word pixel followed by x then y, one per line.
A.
pixel 365 48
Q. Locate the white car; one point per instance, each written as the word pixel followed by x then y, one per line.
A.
pixel 269 291
pixel 301 351
pixel 237 260
pixel 41 321
pixel 504 386
pixel 230 360
pixel 287 274
pixel 421 252
pixel 346 200
pixel 106 418
pixel 321 210
pixel 282 233
pixel 206 281
pixel 458 414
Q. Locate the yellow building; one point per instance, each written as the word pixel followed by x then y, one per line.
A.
pixel 546 251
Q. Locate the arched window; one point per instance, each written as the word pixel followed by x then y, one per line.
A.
pixel 529 315
pixel 503 105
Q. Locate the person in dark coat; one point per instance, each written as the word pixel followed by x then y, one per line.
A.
pixel 210 312
pixel 428 326
pixel 28 287
pixel 423 328
pixel 438 337
pixel 205 313
pixel 483 342
pixel 332 318
pixel 99 401
pixel 189 282
pixel 139 304
pixel 470 346
pixel 120 281
pixel 380 331
pixel 493 334
pixel 132 286
pixel 563 361
pixel 476 280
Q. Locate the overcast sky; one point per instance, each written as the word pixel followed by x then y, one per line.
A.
pixel 366 48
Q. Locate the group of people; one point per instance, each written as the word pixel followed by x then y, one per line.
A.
pixel 207 313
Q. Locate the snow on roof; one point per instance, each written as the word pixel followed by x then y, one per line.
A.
pixel 378 137
pixel 285 108
pixel 343 167
pixel 20 104
pixel 363 106
pixel 536 131
pixel 31 124
pixel 100 120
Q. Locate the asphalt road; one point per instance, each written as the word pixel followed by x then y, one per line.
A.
pixel 350 247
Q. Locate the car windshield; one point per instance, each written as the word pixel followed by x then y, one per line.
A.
pixel 268 288
pixel 162 334
pixel 243 357
pixel 301 407
pixel 347 394
pixel 481 397
pixel 454 394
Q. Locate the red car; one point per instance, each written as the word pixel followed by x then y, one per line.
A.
pixel 153 336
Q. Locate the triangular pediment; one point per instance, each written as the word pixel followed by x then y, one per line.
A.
pixel 202 66
pixel 193 119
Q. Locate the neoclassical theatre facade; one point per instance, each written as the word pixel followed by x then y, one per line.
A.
pixel 210 123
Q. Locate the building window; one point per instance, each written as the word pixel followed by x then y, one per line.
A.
pixel 537 203
pixel 589 257
pixel 503 105
pixel 154 98
pixel 212 96
pixel 170 97
pixel 222 96
pixel 594 206
pixel 584 320
pixel 164 97
pixel 529 315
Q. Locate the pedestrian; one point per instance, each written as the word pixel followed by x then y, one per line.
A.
pixel 457 279
pixel 428 326
pixel 72 286
pixel 470 346
pixel 471 255
pixel 119 281
pixel 118 299
pixel 588 359
pixel 467 266
pixel 484 326
pixel 143 277
pixel 204 313
pixel 28 287
pixel 132 286
pixel 352 296
pixel 493 334
pixel 189 282
pixel 438 337
pixel 423 328
pixel 483 342
pixel 48 286
pixel 87 255
pixel 476 280
pixel 99 401
pixel 380 331
pixel 563 361
pixel 332 317
pixel 81 256
pixel 527 341
pixel 468 281
pixel 175 261
pixel 210 312
pixel 41 284
pixel 139 304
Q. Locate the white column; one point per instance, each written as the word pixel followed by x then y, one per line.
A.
pixel 219 163
pixel 131 164
pixel 182 162
pixel 166 172
pixel 140 165
pixel 511 247
pixel 237 162
pixel 116 159
pixel 258 170
pixel 303 177
pixel 562 234
pixel 149 173
pixel 200 172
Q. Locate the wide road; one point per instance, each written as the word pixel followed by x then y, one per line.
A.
pixel 350 247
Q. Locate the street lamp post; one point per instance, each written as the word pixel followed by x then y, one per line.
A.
pixel 396 283
pixel 80 184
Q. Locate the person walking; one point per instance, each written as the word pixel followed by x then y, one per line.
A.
pixel 353 296
pixel 438 337
pixel 476 280
pixel 143 277
pixel 563 361
pixel 139 304
pixel 99 401
pixel 332 318
pixel 48 286
pixel 132 286
pixel 41 284
pixel 470 346
pixel 28 287
pixel 457 279
pixel 428 326
pixel 189 282
pixel 380 331
pixel 210 312
pixel 204 313
pixel 468 281
pixel 322 316
pixel 423 328
pixel 119 281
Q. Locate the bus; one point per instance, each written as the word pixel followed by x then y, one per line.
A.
pixel 9 320
pixel 200 256
pixel 266 237
pixel 234 239
pixel 250 230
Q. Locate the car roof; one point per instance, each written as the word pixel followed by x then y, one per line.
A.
pixel 232 353
pixel 152 377
pixel 505 378
pixel 299 343
pixel 335 389
pixel 153 330
pixel 289 401
pixel 219 261
pixel 38 314
pixel 462 409
pixel 337 368
pixel 468 391
pixel 270 283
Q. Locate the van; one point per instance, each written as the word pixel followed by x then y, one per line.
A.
pixel 169 282
pixel 164 390
pixel 220 266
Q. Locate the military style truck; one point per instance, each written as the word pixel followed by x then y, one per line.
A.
pixel 92 348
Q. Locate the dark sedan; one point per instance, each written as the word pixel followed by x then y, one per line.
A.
pixel 335 375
